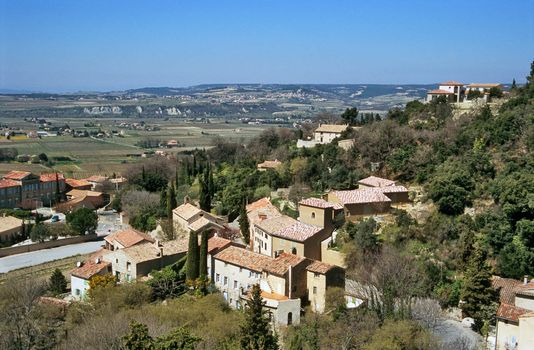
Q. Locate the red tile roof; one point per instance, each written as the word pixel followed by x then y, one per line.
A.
pixel 217 243
pixel 77 183
pixel 320 203
pixel 440 92
pixel 392 189
pixel 17 175
pixel 258 262
pixel 260 203
pixel 452 83
pixel 510 312
pixel 319 267
pixel 374 181
pixel 506 288
pixel 298 232
pixel 48 177
pixel 361 196
pixel 128 238
pixel 96 178
pixel 484 85
pixel 90 268
pixel 4 183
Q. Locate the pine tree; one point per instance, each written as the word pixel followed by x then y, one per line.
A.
pixel 192 262
pixel 58 282
pixel 203 264
pixel 256 332
pixel 244 224
pixel 467 241
pixel 138 338
pixel 477 293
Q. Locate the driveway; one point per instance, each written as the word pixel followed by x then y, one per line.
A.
pixel 454 333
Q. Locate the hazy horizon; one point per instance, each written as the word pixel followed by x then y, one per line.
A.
pixel 66 46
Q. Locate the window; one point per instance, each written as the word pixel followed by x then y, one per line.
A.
pixel 128 266
pixel 314 290
pixel 77 292
pixel 235 284
pixel 294 289
pixel 289 318
pixel 225 280
pixel 294 251
pixel 217 277
pixel 316 275
pixel 313 215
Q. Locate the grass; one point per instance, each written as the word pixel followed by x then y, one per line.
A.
pixel 44 270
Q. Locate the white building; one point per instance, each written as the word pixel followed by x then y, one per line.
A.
pixel 282 281
pixel 452 90
pixel 84 271
pixel 326 133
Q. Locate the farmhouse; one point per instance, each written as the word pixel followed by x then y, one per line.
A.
pixel 84 271
pixel 357 203
pixel 326 133
pixel 452 90
pixel 74 184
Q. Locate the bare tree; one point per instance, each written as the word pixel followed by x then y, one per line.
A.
pixel 136 202
pixel 428 312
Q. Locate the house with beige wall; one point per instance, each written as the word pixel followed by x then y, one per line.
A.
pixel 326 133
pixel 257 211
pixel 188 217
pixel 360 202
pixel 515 315
pixel 285 234
pixel 10 227
pixel 282 281
pixel 319 277
pixel 85 270
pixel 321 213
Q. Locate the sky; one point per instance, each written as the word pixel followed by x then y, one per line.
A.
pixel 103 45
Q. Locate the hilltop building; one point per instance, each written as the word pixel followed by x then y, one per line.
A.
pixel 456 92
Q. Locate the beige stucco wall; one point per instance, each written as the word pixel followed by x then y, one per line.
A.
pixel 506 332
pixel 7 234
pixel 262 242
pixel 287 246
pixel 331 256
pixel 526 333
pixel 325 137
pixel 524 302
pixel 317 299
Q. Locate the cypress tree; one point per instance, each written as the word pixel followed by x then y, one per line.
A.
pixel 256 332
pixel 192 262
pixel 176 179
pixel 205 198
pixel 514 85
pixel 203 264
pixel 163 198
pixel 477 293
pixel 244 224
pixel 171 199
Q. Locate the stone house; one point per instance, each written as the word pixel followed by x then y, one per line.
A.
pixel 84 271
pixel 326 133
pixel 515 315
pixel 358 203
pixel 260 210
pixel 188 217
pixel 319 277
pixel 10 226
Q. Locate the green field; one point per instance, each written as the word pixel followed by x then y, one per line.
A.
pixel 114 154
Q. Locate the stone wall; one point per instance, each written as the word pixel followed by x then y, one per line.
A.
pixel 45 245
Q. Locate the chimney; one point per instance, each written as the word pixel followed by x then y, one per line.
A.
pixel 79 264
pixel 187 199
pixel 262 216
pixel 525 280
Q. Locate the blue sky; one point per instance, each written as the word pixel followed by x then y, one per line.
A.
pixel 105 44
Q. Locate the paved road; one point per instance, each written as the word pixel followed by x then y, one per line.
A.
pixel 454 333
pixel 17 261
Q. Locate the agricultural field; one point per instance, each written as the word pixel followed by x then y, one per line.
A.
pixel 89 155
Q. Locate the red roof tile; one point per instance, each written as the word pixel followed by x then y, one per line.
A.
pixel 374 181
pixel 17 175
pixel 319 267
pixel 48 177
pixel 90 268
pixel 361 196
pixel 510 312
pixel 5 183
pixel 77 183
pixel 217 243
pixel 440 92
pixel 320 203
pixel 128 238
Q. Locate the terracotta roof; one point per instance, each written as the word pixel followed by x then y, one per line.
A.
pixel 186 211
pixel 5 183
pixel 83 193
pixel 48 177
pixel 510 312
pixel 77 183
pixel 506 287
pixel 320 203
pixel 392 189
pixel 97 178
pixel 128 238
pixel 452 83
pixel 319 267
pixel 361 196
pixel 217 243
pixel 262 210
pixel 270 164
pixel 440 92
pixel 200 223
pixel 375 181
pixel 244 258
pixel 484 85
pixel 260 203
pixel 9 222
pixel 298 232
pixel 331 128
pixel 90 268
pixel 273 296
pixel 17 175
pixel 148 251
pixel 274 224
pixel 258 262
